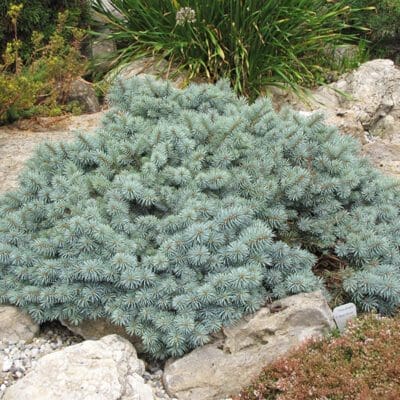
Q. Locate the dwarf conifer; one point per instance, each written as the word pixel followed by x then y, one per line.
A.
pixel 187 209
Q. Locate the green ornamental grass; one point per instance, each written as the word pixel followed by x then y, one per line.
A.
pixel 254 43
pixel 383 26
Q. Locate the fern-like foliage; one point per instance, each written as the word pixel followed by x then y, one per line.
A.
pixel 187 209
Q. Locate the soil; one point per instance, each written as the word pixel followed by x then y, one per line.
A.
pixel 18 141
pixel 385 154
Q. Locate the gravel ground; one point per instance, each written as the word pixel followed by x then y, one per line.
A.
pixel 18 141
pixel 17 358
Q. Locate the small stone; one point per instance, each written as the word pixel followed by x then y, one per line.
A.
pixel 34 352
pixel 18 365
pixel 7 364
pixel 146 375
pixel 154 369
pixel 15 352
pixel 19 374
pixel 158 374
pixel 3 387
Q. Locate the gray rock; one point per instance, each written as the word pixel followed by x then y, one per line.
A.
pixel 364 103
pixel 146 66
pixel 101 49
pixel 220 369
pixel 343 53
pixel 107 369
pixel 152 66
pixel 16 325
pixel 83 92
pixel 373 93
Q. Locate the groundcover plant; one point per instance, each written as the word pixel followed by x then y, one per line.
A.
pixel 188 209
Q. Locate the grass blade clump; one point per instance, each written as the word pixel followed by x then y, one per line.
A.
pixel 253 43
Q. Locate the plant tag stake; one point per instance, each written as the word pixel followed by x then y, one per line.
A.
pixel 344 313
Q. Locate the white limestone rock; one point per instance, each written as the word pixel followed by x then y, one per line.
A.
pixel 106 369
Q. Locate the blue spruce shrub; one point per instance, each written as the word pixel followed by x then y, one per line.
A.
pixel 187 209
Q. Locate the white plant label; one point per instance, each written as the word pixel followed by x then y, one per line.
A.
pixel 344 313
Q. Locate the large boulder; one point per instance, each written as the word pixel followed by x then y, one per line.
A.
pixel 107 369
pixel 101 47
pixel 372 95
pixel 370 110
pixel 16 325
pixel 385 153
pixel 222 368
pixel 364 103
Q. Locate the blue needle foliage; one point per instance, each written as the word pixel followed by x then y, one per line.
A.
pixel 189 208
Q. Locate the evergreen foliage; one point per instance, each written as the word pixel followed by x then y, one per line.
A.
pixel 187 209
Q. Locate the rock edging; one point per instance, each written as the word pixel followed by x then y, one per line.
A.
pixel 222 368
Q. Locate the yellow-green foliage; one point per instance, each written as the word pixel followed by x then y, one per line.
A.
pixel 17 91
pixel 41 16
pixel 39 86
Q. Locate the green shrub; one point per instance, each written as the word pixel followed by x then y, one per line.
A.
pixel 253 43
pixel 189 209
pixel 383 23
pixel 40 16
pixel 362 364
pixel 39 87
